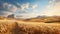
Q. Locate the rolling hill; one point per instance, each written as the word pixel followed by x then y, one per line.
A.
pixel 45 19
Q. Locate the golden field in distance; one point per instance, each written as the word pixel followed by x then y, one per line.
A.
pixel 31 26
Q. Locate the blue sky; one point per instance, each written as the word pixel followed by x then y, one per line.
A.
pixel 29 8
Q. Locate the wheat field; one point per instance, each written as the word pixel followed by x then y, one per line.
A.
pixel 20 27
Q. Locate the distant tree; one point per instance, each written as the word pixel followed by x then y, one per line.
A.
pixel 11 16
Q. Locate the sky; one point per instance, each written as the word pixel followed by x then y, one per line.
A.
pixel 29 8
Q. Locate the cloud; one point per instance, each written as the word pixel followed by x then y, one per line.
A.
pixel 53 8
pixel 54 1
pixel 34 6
pixel 29 11
pixel 6 9
pixel 57 0
pixel 24 6
pixel 4 13
pixel 28 6
pixel 9 7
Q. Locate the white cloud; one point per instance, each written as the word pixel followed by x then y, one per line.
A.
pixel 13 8
pixel 4 13
pixel 28 6
pixel 34 6
pixel 52 9
pixel 24 6
pixel 9 7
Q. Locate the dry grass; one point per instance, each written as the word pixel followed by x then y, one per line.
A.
pixel 52 19
pixel 19 27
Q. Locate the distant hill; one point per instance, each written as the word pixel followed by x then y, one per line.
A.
pixel 45 19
